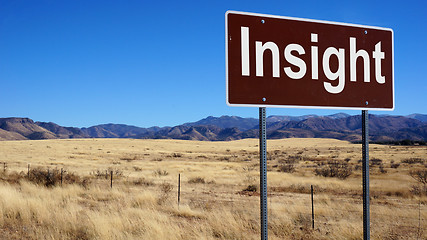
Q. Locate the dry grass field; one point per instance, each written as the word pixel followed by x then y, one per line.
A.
pixel 219 189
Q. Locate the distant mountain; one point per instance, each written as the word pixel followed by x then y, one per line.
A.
pixel 275 118
pixel 421 117
pixel 63 132
pixel 23 128
pixel 338 126
pixel 227 122
pixel 117 131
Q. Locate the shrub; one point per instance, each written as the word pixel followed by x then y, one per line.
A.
pixel 419 190
pixel 129 158
pixel 165 189
pixel 160 173
pixel 287 168
pixel 294 159
pixel 419 175
pixel 394 165
pixel 137 169
pixel 382 170
pixel 413 161
pixel 375 161
pixel 196 180
pixel 49 177
pixel 142 182
pixel 251 188
pixel 334 168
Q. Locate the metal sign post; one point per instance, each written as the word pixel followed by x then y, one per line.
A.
pixel 263 172
pixel 365 174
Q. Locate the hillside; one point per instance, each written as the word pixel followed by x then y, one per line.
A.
pixel 338 126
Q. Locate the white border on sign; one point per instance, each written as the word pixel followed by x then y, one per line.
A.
pixel 304 20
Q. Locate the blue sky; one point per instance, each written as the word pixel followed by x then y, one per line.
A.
pixel 162 63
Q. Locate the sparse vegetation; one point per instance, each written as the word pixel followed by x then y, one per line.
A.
pixel 160 173
pixel 287 168
pixel 251 188
pixel 334 168
pixel 413 160
pixel 419 175
pixel 197 180
pixel 142 204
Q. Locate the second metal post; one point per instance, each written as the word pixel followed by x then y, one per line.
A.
pixel 365 174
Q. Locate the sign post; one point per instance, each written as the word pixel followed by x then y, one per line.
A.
pixel 365 174
pixel 276 61
pixel 263 172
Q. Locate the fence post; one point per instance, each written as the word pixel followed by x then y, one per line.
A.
pixel 4 167
pixel 28 173
pixel 179 188
pixel 312 207
pixel 61 176
pixel 111 183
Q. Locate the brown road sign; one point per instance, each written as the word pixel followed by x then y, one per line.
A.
pixel 275 61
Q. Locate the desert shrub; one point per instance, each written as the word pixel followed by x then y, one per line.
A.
pixel 142 182
pixel 419 175
pixel 165 189
pixel 42 177
pixel 382 170
pixel 71 178
pixel 129 158
pixel 394 165
pixel 294 158
pixel 251 188
pixel 419 190
pixel 160 173
pixel 12 177
pixel 107 173
pixel 116 172
pixel 303 221
pixel 52 177
pixel 100 173
pixel 287 168
pixel 137 169
pixel 413 160
pixel 197 180
pixel 334 168
pixel 375 161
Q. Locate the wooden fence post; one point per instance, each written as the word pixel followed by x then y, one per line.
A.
pixel 179 188
pixel 312 207
pixel 111 183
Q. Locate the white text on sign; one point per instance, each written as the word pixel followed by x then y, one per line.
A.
pixel 293 50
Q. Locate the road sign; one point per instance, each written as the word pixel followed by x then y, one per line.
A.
pixel 275 61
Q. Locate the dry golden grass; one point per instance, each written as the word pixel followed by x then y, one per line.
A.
pixel 143 201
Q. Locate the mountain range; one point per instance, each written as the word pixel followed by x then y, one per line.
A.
pixel 382 128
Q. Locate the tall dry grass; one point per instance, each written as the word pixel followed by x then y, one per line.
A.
pixel 143 201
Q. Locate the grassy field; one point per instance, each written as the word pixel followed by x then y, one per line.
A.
pixel 219 189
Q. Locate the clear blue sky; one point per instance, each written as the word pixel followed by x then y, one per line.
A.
pixel 147 63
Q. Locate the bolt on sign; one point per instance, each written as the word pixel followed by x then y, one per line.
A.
pixel 275 61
